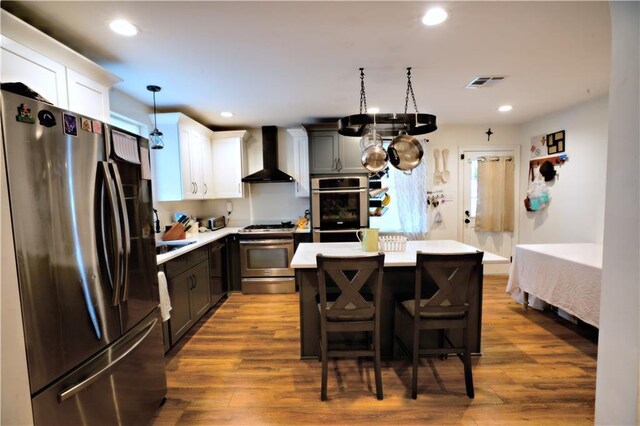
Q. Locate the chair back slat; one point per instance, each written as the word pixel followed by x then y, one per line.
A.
pixel 349 275
pixel 452 274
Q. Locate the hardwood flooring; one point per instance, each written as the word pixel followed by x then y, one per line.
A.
pixel 240 365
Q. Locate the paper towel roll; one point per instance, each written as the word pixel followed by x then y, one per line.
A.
pixel 165 301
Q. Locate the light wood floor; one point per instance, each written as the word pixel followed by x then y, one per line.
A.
pixel 240 365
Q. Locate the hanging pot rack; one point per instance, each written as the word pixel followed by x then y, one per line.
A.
pixel 387 124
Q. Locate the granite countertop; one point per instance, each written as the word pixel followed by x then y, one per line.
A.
pixel 305 255
pixel 199 240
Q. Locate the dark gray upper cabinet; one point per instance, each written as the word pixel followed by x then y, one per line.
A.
pixel 331 153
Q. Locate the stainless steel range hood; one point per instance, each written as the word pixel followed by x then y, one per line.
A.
pixel 270 171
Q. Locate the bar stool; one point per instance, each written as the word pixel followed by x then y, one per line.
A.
pixel 447 308
pixel 350 311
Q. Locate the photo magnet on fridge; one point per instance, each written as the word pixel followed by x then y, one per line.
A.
pixel 24 115
pixel 97 126
pixel 85 124
pixel 70 124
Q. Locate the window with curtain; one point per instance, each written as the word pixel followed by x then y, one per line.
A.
pixel 495 195
pixel 411 195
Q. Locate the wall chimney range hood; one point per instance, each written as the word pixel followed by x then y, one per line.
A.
pixel 270 171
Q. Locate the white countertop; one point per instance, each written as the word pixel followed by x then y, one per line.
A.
pixel 305 255
pixel 204 238
pixel 200 240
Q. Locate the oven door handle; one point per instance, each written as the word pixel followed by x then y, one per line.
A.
pixel 338 191
pixel 337 231
pixel 279 242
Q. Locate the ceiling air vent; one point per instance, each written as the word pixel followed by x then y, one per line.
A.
pixel 484 81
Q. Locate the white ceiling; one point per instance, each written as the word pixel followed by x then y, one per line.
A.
pixel 285 63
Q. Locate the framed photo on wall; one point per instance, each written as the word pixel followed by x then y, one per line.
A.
pixel 555 142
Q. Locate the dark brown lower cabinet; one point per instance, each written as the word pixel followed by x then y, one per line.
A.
pixel 189 290
pixel 199 294
pixel 217 271
pixel 233 263
pixel 180 321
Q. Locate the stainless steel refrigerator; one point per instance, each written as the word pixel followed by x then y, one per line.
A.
pixel 81 211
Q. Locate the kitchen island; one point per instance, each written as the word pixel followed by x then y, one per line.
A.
pixel 399 272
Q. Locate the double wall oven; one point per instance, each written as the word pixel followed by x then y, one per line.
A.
pixel 265 258
pixel 339 207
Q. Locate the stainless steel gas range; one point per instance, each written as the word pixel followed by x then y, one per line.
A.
pixel 265 258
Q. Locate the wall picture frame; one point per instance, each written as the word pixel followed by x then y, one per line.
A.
pixel 556 142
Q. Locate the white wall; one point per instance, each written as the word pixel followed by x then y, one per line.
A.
pixel 272 201
pixel 263 202
pixel 454 137
pixel 576 212
pixel 618 354
pixel 130 107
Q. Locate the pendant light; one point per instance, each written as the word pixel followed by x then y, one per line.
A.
pixel 155 137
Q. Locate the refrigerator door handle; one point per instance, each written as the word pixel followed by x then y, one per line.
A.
pixel 113 277
pixel 127 234
pixel 78 387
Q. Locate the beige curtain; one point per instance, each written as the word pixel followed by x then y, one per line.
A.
pixel 494 212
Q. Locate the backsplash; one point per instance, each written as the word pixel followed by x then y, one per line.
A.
pixel 263 203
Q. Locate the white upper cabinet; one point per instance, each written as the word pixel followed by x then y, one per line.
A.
pixel 21 64
pixel 60 75
pixel 228 163
pixel 87 97
pixel 300 161
pixel 183 169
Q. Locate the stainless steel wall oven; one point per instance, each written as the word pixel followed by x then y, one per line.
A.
pixel 339 207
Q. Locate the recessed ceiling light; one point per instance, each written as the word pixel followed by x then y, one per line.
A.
pixel 435 16
pixel 122 27
pixel 373 110
pixel 505 108
pixel 226 114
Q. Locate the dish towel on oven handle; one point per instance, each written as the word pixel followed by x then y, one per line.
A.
pixel 165 301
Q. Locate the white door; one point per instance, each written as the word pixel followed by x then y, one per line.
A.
pixel 227 168
pixel 188 184
pixel 195 163
pixel 300 161
pixel 207 168
pixel 500 243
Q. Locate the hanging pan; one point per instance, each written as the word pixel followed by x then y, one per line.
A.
pixel 405 153
pixel 374 158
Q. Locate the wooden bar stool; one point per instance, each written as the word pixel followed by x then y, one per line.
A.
pixel 447 308
pixel 350 311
